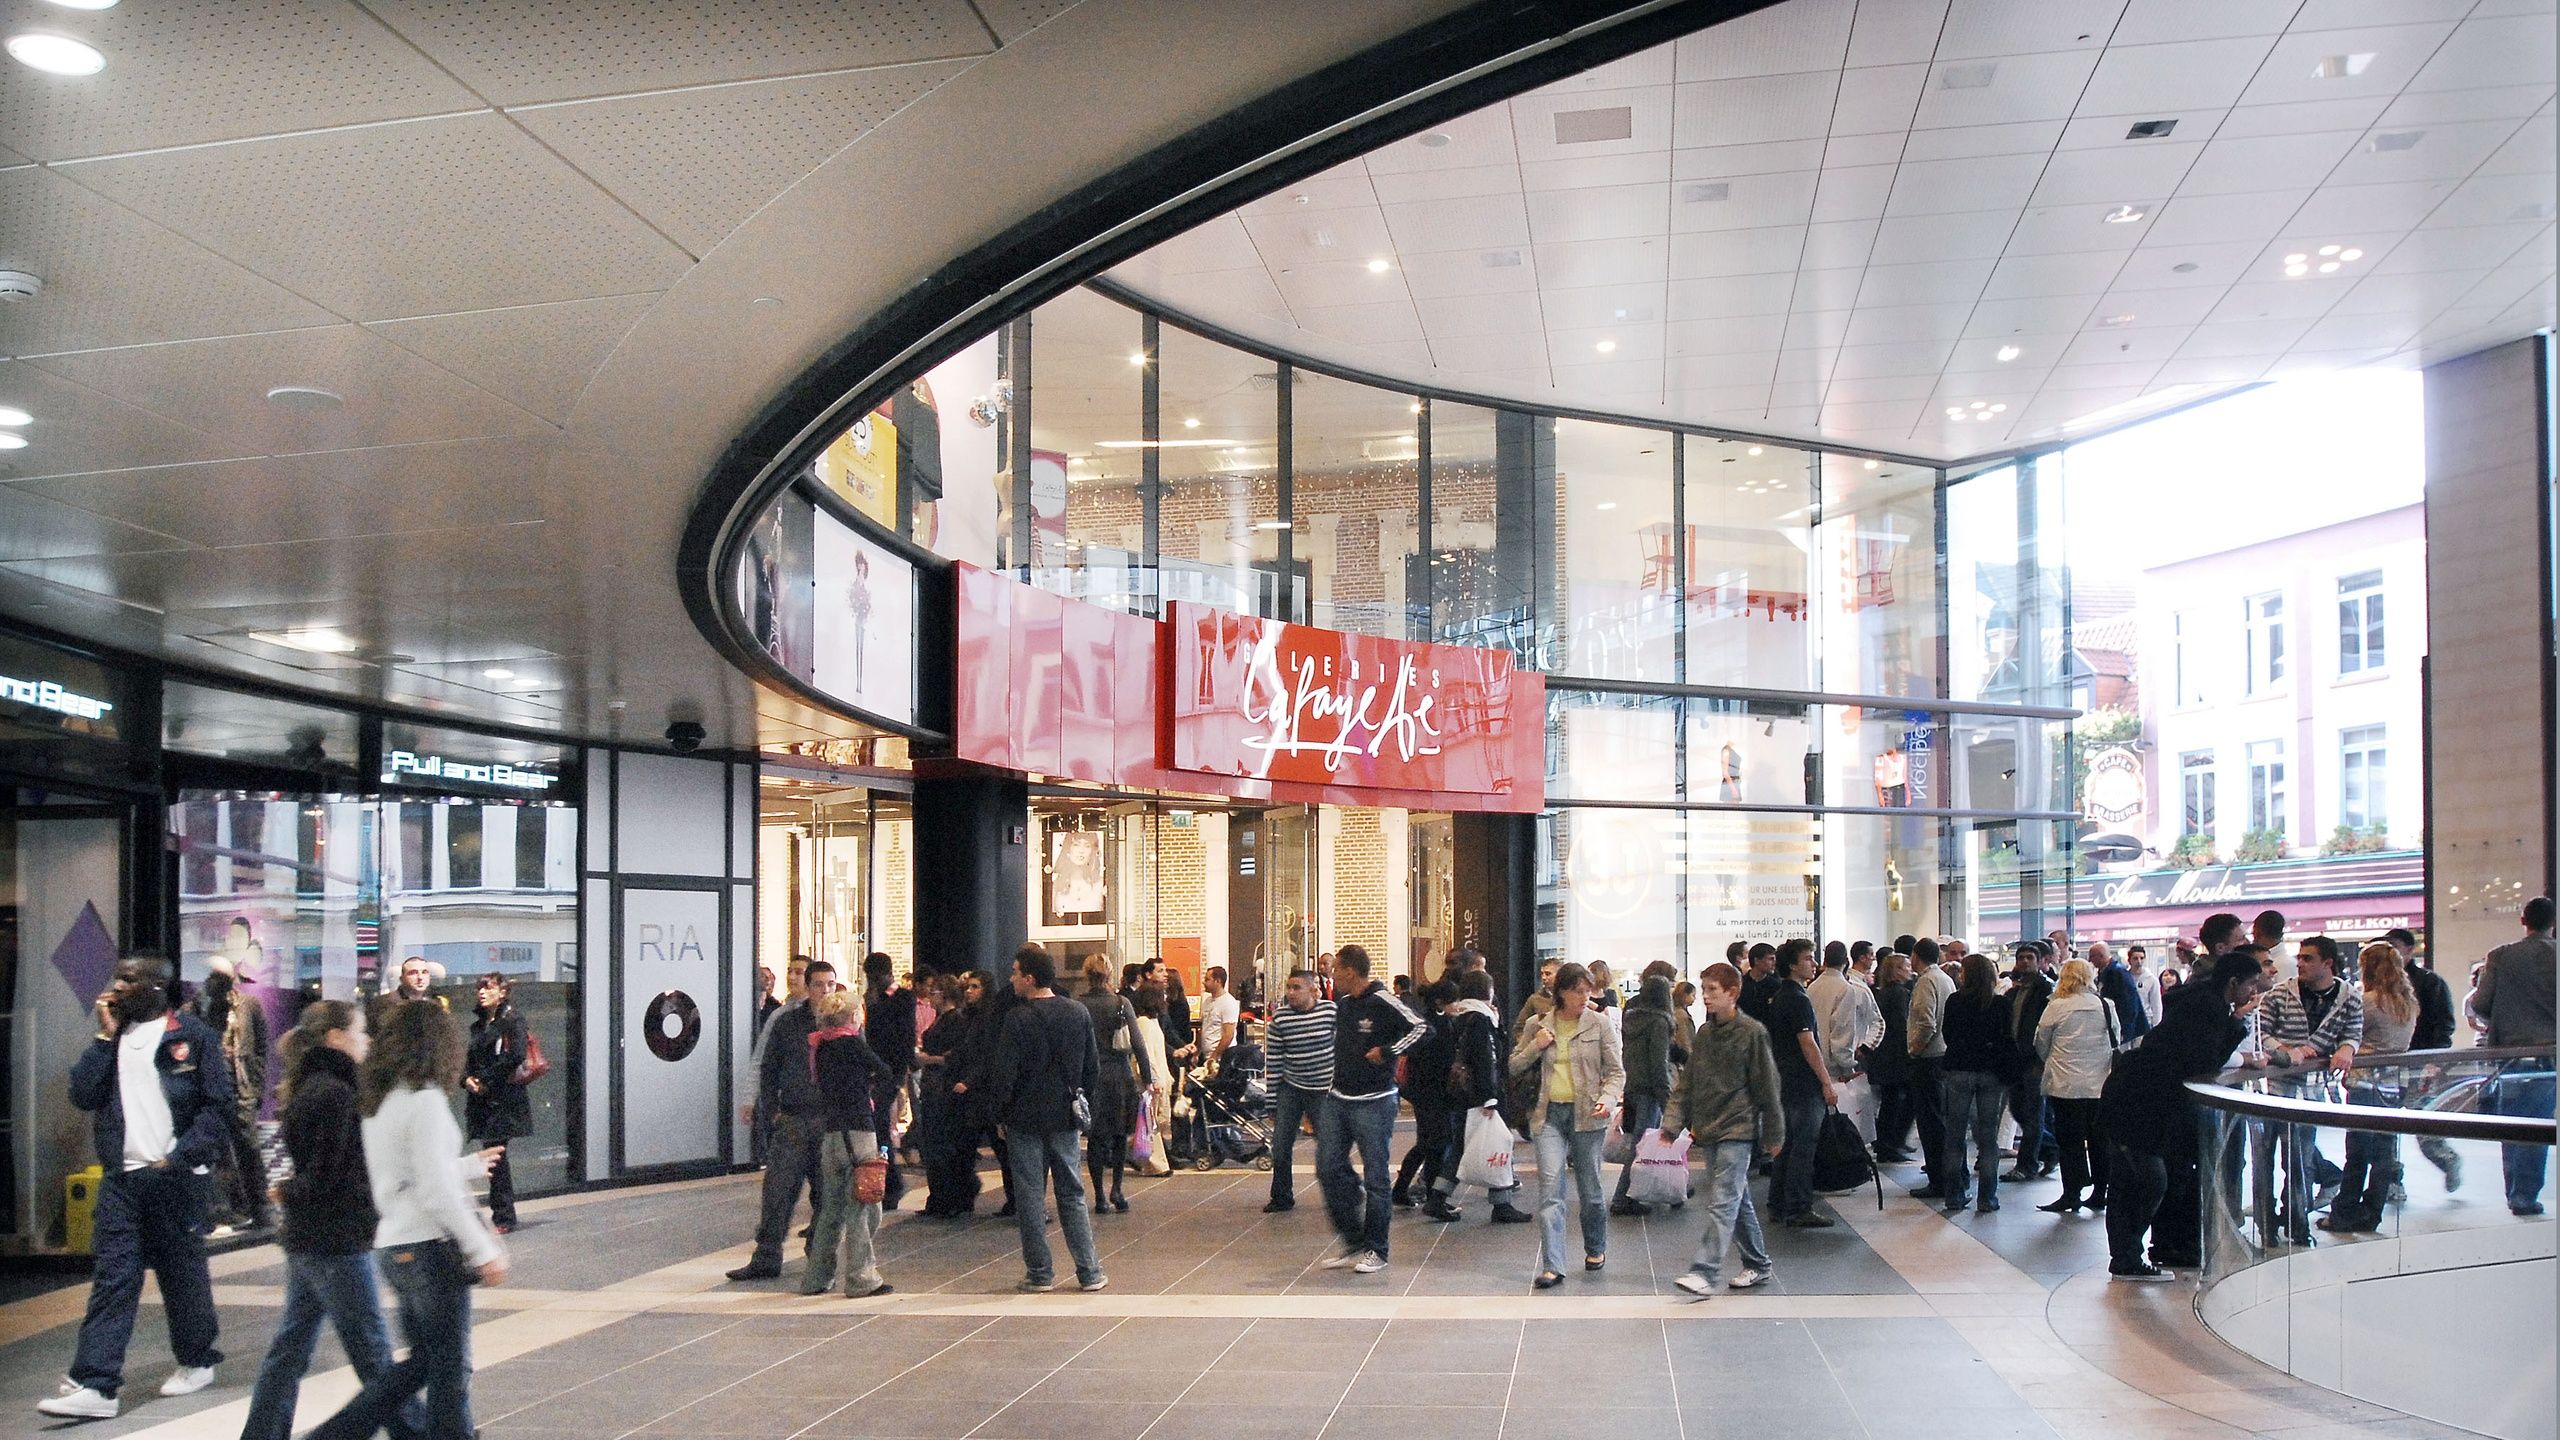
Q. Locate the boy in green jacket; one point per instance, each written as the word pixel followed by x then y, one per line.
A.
pixel 1727 1094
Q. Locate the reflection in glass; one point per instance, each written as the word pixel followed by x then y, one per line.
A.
pixel 1748 538
pixel 1356 497
pixel 1221 534
pixel 1613 485
pixel 1877 578
pixel 1475 598
pixel 1088 449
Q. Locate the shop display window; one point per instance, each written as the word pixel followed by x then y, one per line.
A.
pixel 1614 619
pixel 1355 505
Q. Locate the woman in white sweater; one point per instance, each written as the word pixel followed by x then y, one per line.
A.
pixel 430 1242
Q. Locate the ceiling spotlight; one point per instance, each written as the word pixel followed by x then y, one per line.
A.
pixel 1754 450
pixel 1138 357
pixel 2351 253
pixel 303 397
pixel 86 4
pixel 499 672
pixel 1379 267
pixel 1606 505
pixel 55 54
pixel 2125 215
pixel 1955 412
pixel 2296 270
pixel 1981 405
pixel 1190 422
pixel 2009 353
pixel 1871 464
pixel 2328 250
pixel 2296 258
pixel 1414 409
pixel 12 441
pixel 13 417
pixel 1996 409
pixel 1606 346
pixel 2328 267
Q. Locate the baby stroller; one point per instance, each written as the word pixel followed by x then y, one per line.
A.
pixel 1224 1118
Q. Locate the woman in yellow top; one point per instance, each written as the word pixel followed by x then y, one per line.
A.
pixel 1581 1076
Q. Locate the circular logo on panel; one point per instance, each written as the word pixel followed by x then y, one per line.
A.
pixel 673 1025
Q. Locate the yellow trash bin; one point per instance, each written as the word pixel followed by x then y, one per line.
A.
pixel 80 1209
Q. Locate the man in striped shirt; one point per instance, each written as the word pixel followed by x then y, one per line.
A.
pixel 1299 1041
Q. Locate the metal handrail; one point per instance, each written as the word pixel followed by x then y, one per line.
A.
pixel 2220 1094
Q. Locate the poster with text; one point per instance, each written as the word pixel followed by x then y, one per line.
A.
pixel 671 969
pixel 866 623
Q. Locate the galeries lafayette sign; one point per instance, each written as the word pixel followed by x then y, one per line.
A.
pixel 1273 701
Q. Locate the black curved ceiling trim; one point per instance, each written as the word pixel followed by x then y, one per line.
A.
pixel 1480 54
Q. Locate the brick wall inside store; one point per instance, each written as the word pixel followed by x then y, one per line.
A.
pixel 893 925
pixel 1360 885
pixel 1182 880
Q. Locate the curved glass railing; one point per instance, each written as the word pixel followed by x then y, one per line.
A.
pixel 2379 1231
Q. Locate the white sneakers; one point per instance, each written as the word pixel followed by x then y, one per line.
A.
pixel 1098 1282
pixel 1696 1284
pixel 187 1380
pixel 1748 1280
pixel 1700 1286
pixel 1369 1263
pixel 79 1402
pixel 1355 1260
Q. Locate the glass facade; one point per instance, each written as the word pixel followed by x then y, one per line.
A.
pixel 1790 691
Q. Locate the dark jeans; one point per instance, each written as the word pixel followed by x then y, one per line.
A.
pixel 1039 1162
pixel 1359 1203
pixel 1791 1188
pixel 2036 1148
pixel 1454 1153
pixel 885 1095
pixel 790 1162
pixel 2525 1165
pixel 1430 1149
pixel 502 1183
pixel 2373 1163
pixel 950 1150
pixel 1929 1113
pixel 1894 1112
pixel 433 1285
pixel 1972 1104
pixel 2084 1149
pixel 1643 1112
pixel 1289 1105
pixel 146 1219
pixel 2139 1181
pixel 340 1290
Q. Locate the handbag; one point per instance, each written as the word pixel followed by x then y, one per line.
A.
pixel 1081 1111
pixel 1142 1136
pixel 1841 1160
pixel 535 1064
pixel 871 1181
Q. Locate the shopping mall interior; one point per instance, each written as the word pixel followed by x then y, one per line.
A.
pixel 631 496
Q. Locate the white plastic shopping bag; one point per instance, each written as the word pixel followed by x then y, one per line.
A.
pixel 1486 1160
pixel 1659 1175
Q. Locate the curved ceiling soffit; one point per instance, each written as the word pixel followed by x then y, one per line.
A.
pixel 1271 135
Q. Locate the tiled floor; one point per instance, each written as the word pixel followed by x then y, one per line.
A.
pixel 1218 1323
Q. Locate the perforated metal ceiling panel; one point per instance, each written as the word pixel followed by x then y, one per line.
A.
pixel 537 356
pixel 1014 19
pixel 517 52
pixel 414 218
pixel 698 161
pixel 114 278
pixel 219 387
pixel 186 72
pixel 77 429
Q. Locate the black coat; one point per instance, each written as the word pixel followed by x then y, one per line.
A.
pixel 1044 1056
pixel 499 1108
pixel 328 1201
pixel 2145 1105
pixel 889 1024
pixel 1479 1045
pixel 1890 1063
pixel 193 1079
pixel 847 1070
pixel 1115 1093
pixel 2435 1010
pixel 1977 1031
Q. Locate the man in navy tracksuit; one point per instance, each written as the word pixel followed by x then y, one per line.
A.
pixel 157 1085
pixel 1371 1029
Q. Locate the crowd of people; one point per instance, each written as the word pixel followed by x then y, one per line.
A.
pixel 2081 1055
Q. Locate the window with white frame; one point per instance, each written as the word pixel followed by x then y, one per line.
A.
pixel 2266 785
pixel 2362 766
pixel 2195 787
pixel 2186 665
pixel 2265 641
pixel 2360 622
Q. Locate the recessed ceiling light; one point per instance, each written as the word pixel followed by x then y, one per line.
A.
pixel 1955 412
pixel 1871 464
pixel 2113 321
pixel 2341 67
pixel 499 672
pixel 2150 129
pixel 2351 253
pixel 55 54
pixel 1414 409
pixel 1754 450
pixel 1434 141
pixel 12 441
pixel 12 416
pixel 2328 250
pixel 1967 77
pixel 1379 267
pixel 1606 505
pixel 2328 267
pixel 1190 422
pixel 1981 405
pixel 303 397
pixel 85 4
pixel 317 639
pixel 2297 270
pixel 2009 353
pixel 1138 357
pixel 1997 408
pixel 1606 346
pixel 2297 258
pixel 2125 215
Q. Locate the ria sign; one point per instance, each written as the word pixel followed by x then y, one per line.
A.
pixel 408 766
pixel 48 695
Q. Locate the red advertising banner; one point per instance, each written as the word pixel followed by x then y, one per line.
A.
pixel 1242 707
pixel 1269 700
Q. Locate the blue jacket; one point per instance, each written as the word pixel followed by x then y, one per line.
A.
pixel 2116 986
pixel 193 1075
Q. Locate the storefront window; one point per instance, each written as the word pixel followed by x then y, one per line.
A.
pixel 1221 535
pixel 1613 491
pixel 1088 449
pixel 1877 578
pixel 1476 599
pixel 1356 501
pixel 1747 521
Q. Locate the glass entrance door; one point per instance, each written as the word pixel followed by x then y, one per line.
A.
pixel 61 921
